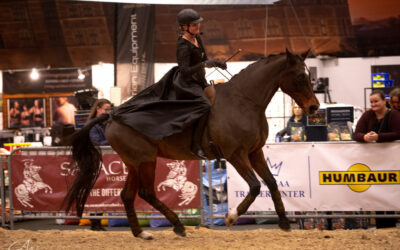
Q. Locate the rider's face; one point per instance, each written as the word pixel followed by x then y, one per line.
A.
pixel 194 28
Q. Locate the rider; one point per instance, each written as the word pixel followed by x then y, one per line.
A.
pixel 180 90
pixel 192 60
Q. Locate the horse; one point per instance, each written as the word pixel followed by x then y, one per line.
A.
pixel 237 125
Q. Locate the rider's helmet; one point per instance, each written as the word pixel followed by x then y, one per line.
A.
pixel 188 16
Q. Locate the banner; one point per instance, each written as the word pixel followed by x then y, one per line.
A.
pixel 135 48
pixel 40 183
pixel 326 177
pixel 49 81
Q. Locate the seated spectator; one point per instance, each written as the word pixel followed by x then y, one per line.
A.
pixel 309 133
pixel 395 99
pixel 298 118
pixel 379 124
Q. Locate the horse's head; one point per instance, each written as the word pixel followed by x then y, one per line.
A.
pixel 295 81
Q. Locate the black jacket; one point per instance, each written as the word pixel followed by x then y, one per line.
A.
pixel 173 103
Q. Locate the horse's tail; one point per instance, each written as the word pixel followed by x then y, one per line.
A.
pixel 87 159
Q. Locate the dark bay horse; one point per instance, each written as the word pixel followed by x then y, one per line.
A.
pixel 237 124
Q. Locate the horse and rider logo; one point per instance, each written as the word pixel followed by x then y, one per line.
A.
pixel 31 184
pixel 177 180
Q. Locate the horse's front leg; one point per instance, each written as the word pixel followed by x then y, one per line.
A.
pixel 147 193
pixel 242 165
pixel 260 166
pixel 166 183
pixel 128 195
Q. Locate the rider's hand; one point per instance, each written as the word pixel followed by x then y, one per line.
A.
pixel 215 63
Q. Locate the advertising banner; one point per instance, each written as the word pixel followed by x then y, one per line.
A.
pixel 326 177
pixel 135 48
pixel 40 183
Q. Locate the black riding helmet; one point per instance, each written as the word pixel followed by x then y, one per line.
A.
pixel 188 16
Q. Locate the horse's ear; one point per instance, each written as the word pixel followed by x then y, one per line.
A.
pixel 291 59
pixel 305 54
pixel 288 52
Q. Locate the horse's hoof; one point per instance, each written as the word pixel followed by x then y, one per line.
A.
pixel 180 231
pixel 145 235
pixel 230 218
pixel 284 224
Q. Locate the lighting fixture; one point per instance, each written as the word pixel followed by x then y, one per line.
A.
pixel 34 74
pixel 81 76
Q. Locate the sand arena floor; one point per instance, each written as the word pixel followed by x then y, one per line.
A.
pixel 202 238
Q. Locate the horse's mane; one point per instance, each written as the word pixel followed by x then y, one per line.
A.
pixel 250 67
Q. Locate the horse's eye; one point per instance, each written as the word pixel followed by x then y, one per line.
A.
pixel 300 82
pixel 301 78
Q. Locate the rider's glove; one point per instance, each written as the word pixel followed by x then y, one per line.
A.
pixel 215 63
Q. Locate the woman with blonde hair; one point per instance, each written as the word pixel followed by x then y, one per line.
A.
pixel 298 118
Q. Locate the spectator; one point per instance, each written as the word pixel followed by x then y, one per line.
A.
pixel 379 124
pixel 395 99
pixel 97 136
pixel 296 125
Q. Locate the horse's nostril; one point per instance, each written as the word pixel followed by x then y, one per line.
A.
pixel 313 108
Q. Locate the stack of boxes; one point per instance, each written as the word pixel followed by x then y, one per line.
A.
pixel 381 80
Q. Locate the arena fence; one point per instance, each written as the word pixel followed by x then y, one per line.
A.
pixel 38 179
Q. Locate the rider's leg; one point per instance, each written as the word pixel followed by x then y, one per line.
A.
pixel 198 131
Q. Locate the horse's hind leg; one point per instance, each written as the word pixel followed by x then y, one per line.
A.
pixel 242 165
pixel 147 193
pixel 260 166
pixel 128 196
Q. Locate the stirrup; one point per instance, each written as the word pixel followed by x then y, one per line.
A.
pixel 196 150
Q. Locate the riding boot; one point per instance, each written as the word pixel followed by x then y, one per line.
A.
pixel 198 131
